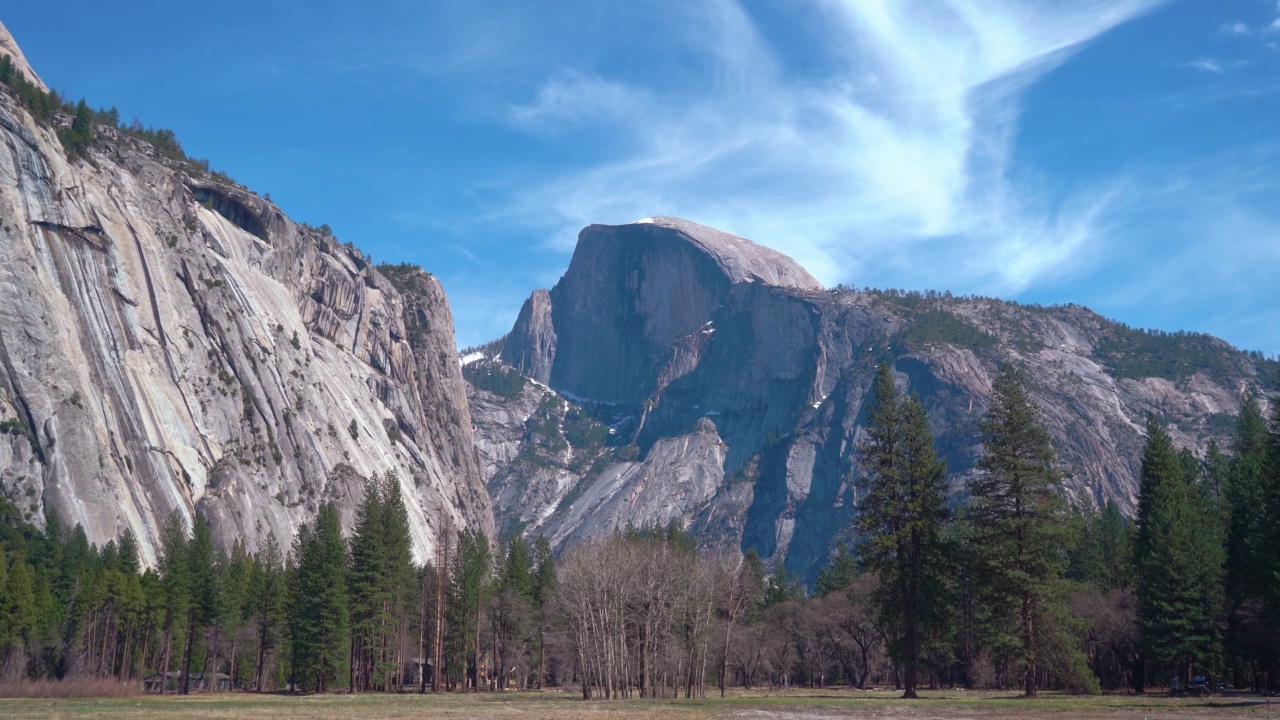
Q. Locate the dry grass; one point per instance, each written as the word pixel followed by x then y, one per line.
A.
pixel 73 688
pixel 757 705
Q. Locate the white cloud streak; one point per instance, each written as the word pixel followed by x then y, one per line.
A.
pixel 1207 65
pixel 899 163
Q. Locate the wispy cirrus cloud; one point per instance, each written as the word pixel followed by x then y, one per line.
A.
pixel 898 157
pixel 1216 66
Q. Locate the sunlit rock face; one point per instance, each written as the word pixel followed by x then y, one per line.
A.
pixel 736 388
pixel 173 343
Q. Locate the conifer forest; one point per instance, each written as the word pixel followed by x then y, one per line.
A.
pixel 1004 584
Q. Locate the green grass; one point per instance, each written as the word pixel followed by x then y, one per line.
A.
pixel 790 705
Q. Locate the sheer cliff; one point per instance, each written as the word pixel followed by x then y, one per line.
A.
pixel 730 386
pixel 172 342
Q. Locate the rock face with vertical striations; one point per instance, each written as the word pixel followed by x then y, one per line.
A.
pixel 170 342
pixel 734 390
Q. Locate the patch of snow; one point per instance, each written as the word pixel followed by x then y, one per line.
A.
pixel 644 221
pixel 820 401
pixel 471 357
pixel 579 399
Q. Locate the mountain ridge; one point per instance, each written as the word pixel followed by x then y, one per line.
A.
pixel 773 381
pixel 172 342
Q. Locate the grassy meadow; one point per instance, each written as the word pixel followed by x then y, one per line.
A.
pixel 762 705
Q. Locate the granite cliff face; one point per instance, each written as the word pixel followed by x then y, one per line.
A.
pixel 731 388
pixel 171 342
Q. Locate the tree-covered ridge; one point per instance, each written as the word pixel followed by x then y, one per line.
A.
pixel 405 277
pixel 1134 353
pixel 495 377
pixel 1138 353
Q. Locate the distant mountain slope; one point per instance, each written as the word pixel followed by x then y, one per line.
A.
pixel 736 396
pixel 171 341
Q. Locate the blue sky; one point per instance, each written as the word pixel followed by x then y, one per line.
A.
pixel 1121 154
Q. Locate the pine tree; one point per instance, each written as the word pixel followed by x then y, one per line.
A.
pixel 512 610
pixel 366 585
pixel 468 590
pixel 266 599
pixel 18 614
pixel 322 622
pixel 6 627
pixel 398 545
pixel 175 586
pixel 517 569
pixel 755 580
pixel 1018 529
pixel 901 517
pixel 782 586
pixel 203 607
pixel 380 584
pixel 1178 560
pixel 234 574
pixel 1115 534
pixel 1245 491
pixel 1217 471
pixel 295 623
pixel 544 590
pixel 1086 560
pixel 128 553
pixel 1271 507
pixel 838 575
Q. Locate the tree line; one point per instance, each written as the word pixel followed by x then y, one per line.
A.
pixel 330 612
pixel 1010 587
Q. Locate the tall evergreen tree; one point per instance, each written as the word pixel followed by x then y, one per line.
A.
pixel 366 586
pixel 18 614
pixel 839 575
pixel 900 517
pixel 512 608
pixel 234 575
pixel 468 589
pixel 266 595
pixel 517 569
pixel 1019 528
pixel 400 575
pixel 321 627
pixel 1116 534
pixel 128 553
pixel 203 605
pixel 175 585
pixel 782 586
pixel 1271 507
pixel 544 590
pixel 381 579
pixel 1245 491
pixel 1178 561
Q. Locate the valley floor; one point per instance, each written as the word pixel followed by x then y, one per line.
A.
pixel 797 705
